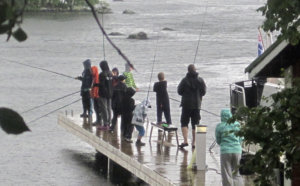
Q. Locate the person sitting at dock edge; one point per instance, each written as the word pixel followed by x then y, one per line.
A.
pixel 162 99
pixel 191 89
pixel 231 150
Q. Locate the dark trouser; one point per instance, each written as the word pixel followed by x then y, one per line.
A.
pixel 86 102
pixel 187 114
pixel 104 105
pixel 97 110
pixel 114 120
pixel 128 127
pixel 166 111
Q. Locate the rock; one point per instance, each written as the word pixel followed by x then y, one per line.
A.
pixel 115 34
pixel 128 12
pixel 140 35
pixel 168 29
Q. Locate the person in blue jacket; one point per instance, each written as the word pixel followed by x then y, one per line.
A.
pixel 86 79
pixel 231 150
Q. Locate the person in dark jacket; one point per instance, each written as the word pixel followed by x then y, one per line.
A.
pixel 105 94
pixel 127 114
pixel 162 99
pixel 191 89
pixel 86 83
pixel 117 101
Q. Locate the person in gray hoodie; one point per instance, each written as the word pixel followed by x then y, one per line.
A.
pixel 231 150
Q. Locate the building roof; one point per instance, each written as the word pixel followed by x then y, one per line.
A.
pixel 267 64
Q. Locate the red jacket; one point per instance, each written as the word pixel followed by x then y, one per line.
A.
pixel 94 92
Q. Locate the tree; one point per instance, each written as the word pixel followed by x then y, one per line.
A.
pixel 11 16
pixel 275 130
pixel 283 16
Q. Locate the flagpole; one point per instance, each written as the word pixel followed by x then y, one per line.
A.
pixel 259 30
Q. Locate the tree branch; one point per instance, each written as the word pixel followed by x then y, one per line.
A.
pixel 106 36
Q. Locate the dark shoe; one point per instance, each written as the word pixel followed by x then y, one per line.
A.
pixel 139 143
pixel 182 145
pixel 193 147
pixel 84 115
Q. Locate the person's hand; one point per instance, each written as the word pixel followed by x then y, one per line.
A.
pixel 137 89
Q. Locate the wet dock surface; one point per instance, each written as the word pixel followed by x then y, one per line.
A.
pixel 154 163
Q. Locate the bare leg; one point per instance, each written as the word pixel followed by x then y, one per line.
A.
pixel 185 134
pixel 194 135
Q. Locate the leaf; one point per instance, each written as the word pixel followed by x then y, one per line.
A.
pixel 11 122
pixel 19 35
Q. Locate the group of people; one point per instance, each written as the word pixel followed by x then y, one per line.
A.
pixel 109 90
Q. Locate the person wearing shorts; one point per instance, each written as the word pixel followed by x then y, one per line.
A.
pixel 191 89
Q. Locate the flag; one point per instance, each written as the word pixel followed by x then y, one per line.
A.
pixel 260 45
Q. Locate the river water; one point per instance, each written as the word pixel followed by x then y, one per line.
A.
pixel 60 42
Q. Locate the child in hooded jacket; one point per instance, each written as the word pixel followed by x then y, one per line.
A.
pixel 162 99
pixel 126 115
pixel 86 80
pixel 95 95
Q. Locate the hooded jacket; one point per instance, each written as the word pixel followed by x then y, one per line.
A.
pixel 129 81
pixel 162 96
pixel 192 88
pixel 225 137
pixel 128 102
pixel 118 96
pixel 105 81
pixel 95 89
pixel 86 76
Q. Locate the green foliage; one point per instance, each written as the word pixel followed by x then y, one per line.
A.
pixel 283 16
pixel 11 122
pixel 11 14
pixel 276 130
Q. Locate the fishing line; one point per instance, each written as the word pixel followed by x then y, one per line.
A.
pixel 36 107
pixel 200 34
pixel 103 45
pixel 154 58
pixel 200 109
pixel 53 111
pixel 61 74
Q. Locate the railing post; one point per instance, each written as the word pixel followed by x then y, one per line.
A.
pixel 201 147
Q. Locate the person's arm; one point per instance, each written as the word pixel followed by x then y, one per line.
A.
pixel 218 135
pixel 202 87
pixel 155 87
pixel 180 88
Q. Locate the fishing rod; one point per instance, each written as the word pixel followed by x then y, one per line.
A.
pixel 200 109
pixel 103 45
pixel 53 111
pixel 61 74
pixel 36 107
pixel 154 58
pixel 106 36
pixel 200 34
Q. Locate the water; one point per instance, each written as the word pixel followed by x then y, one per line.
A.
pixel 60 42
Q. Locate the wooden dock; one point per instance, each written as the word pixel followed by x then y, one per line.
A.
pixel 153 163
